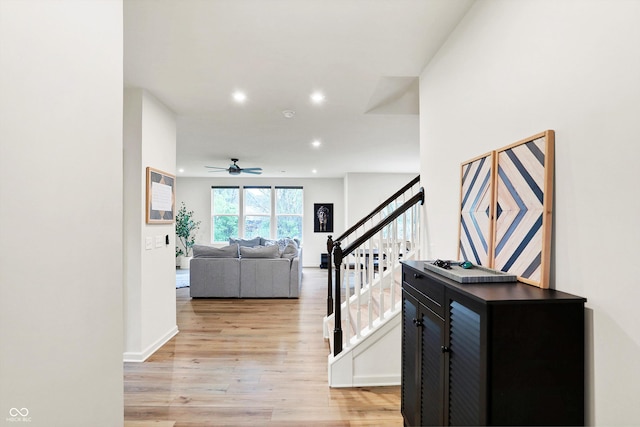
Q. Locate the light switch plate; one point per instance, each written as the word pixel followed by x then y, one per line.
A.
pixel 159 241
pixel 148 243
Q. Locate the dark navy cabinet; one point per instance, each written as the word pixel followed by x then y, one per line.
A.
pixel 489 354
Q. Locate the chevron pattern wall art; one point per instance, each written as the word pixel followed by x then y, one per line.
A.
pixel 476 210
pixel 523 197
pixel 505 209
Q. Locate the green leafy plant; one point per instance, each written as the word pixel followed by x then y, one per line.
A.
pixel 186 229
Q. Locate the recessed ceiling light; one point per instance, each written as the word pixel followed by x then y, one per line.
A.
pixel 317 97
pixel 239 96
pixel 314 171
pixel 180 170
pixel 316 143
pixel 289 114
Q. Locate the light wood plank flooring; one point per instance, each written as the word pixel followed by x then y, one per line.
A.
pixel 251 363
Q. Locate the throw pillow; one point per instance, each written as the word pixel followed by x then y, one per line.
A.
pixel 282 243
pixel 245 242
pixel 290 251
pixel 259 252
pixel 268 242
pixel 203 251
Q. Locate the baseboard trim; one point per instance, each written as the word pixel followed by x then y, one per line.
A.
pixel 376 380
pixel 131 356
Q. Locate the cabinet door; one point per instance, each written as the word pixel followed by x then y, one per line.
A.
pixel 410 361
pixel 432 368
pixel 422 364
pixel 465 395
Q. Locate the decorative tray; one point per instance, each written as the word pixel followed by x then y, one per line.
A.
pixel 475 274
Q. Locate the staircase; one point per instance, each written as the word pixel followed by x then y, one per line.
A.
pixel 363 322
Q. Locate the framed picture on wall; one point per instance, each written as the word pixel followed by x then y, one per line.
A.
pixel 475 241
pixel 524 201
pixel 506 205
pixel 161 197
pixel 323 217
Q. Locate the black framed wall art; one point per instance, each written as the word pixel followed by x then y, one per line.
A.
pixel 323 217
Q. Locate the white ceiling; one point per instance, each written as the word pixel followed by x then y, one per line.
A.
pixel 364 55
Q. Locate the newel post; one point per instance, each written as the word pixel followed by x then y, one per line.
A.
pixel 329 278
pixel 337 331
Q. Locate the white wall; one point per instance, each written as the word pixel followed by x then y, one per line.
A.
pixel 365 191
pixel 196 193
pixel 61 212
pixel 149 285
pixel 515 68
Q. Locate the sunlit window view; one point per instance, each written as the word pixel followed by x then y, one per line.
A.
pixel 269 212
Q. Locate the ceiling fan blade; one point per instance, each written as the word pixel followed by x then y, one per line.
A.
pixel 221 170
pixel 216 167
pixel 255 171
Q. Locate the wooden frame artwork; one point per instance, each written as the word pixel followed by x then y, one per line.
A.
pixel 523 197
pixel 475 232
pixel 506 205
pixel 161 197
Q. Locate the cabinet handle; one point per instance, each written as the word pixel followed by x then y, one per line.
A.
pixel 417 276
pixel 417 322
pixel 445 349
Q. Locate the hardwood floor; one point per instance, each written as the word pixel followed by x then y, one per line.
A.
pixel 251 363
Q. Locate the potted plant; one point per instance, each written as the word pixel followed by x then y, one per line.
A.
pixel 186 229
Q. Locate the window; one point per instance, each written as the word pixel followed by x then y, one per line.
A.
pixel 289 212
pixel 265 211
pixel 225 208
pixel 257 212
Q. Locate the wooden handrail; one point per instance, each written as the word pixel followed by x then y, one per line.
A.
pixel 381 206
pixel 419 197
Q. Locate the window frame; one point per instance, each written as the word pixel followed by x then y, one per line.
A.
pixel 241 215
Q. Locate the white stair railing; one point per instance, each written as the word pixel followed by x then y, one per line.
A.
pixel 367 270
pixel 362 227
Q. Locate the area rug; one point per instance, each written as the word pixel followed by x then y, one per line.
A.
pixel 182 278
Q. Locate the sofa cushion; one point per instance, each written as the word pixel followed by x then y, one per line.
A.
pixel 260 252
pixel 245 242
pixel 203 251
pixel 290 251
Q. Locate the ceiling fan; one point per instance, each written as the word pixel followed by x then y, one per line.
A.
pixel 234 169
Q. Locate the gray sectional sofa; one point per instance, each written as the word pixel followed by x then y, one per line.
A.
pixel 256 268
